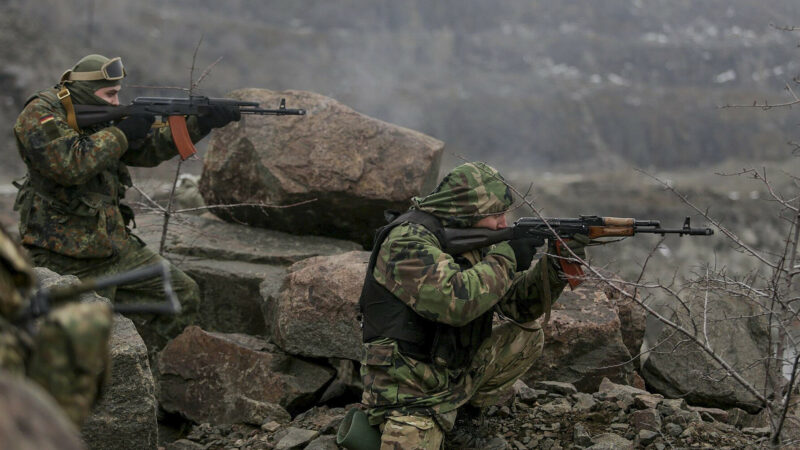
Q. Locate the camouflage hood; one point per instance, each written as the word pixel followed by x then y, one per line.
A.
pixel 468 193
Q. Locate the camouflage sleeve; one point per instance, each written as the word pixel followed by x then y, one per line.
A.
pixel 411 266
pixel 524 300
pixel 51 147
pixel 159 146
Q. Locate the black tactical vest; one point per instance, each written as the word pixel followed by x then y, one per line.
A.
pixel 384 315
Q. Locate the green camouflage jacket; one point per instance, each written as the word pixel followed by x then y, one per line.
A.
pixel 412 266
pixel 70 201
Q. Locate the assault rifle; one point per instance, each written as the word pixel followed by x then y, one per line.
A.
pixel 174 112
pixel 45 298
pixel 460 240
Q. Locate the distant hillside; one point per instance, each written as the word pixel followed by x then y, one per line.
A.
pixel 578 84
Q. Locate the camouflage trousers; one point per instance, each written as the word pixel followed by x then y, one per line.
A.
pixel 499 362
pixel 68 355
pixel 155 330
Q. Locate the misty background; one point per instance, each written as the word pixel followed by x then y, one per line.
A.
pixel 568 97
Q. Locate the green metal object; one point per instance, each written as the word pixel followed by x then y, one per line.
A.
pixel 355 432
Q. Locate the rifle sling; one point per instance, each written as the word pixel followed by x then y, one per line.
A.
pixel 66 101
pixel 546 295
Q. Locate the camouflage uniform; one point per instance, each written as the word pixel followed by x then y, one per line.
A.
pixel 416 401
pixel 68 355
pixel 72 219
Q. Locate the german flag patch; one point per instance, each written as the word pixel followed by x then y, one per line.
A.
pixel 49 127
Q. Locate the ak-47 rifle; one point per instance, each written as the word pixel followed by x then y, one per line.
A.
pixel 536 230
pixel 45 298
pixel 174 112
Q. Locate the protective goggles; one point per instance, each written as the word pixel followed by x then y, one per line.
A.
pixel 112 70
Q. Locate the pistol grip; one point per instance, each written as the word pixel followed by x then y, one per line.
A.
pixel 180 135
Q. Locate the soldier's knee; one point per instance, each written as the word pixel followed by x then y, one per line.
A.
pixel 411 432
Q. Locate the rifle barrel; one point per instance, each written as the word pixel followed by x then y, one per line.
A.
pixel 679 231
pixel 274 112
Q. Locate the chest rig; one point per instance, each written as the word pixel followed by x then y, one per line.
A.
pixel 386 316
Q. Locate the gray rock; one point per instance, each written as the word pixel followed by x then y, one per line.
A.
pixel 611 441
pixel 583 342
pixel 217 240
pixel 645 419
pixel 583 401
pixel 31 419
pixel 320 418
pixel 528 395
pixel 711 414
pixel 581 436
pixel 316 312
pixel 612 391
pixel 632 317
pixel 683 417
pixel 673 429
pixel 184 444
pixel 645 401
pixel 556 387
pixel 238 268
pixel 354 166
pixel 213 377
pixel 323 443
pixel 739 336
pixel 125 418
pixel 670 406
pixel 646 437
pixel 296 438
pixel 557 407
pixel 232 300
pixel 759 432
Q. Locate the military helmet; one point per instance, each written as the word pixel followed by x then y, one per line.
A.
pixel 96 68
pixel 91 73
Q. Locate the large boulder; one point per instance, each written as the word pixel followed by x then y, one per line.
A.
pixel 211 238
pixel 31 418
pixel 632 317
pixel 736 330
pixel 231 263
pixel 316 312
pixel 352 166
pixel 230 292
pixel 583 343
pixel 233 378
pixel 125 417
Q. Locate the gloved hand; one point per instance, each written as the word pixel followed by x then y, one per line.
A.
pixel 136 126
pixel 218 116
pixel 577 244
pixel 524 249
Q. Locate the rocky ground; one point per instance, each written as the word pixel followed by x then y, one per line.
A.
pixel 550 416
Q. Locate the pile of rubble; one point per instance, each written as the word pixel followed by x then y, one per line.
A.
pixel 549 416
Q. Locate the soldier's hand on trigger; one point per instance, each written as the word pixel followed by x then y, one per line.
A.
pixel 136 126
pixel 524 250
pixel 218 116
pixel 577 244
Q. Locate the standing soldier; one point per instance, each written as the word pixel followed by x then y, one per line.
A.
pixel 72 219
pixel 68 354
pixel 429 344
